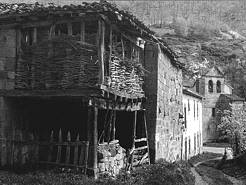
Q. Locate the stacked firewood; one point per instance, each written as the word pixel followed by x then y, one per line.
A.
pixel 125 77
pixel 57 64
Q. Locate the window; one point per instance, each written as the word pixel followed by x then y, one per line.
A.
pixel 185 117
pixel 194 109
pixel 195 142
pixel 188 105
pixel 61 29
pixel 197 110
pixel 189 146
pixel 218 86
pixel 213 112
pixel 197 86
pixel 210 86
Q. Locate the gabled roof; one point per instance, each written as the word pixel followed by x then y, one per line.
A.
pixel 214 71
pixel 192 93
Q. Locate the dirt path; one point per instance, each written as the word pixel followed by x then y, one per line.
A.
pixel 211 176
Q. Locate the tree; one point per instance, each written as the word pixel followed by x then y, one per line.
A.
pixel 232 123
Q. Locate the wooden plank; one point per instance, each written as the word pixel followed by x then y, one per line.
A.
pixel 141 148
pixel 110 48
pixel 51 146
pixel 95 141
pixel 70 28
pixel 86 156
pixel 146 133
pixel 134 133
pixel 68 148
pixel 101 49
pixel 82 31
pixel 76 151
pixel 34 35
pixel 140 140
pixel 58 157
pixel 113 125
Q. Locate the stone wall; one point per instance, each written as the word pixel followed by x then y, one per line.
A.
pixel 163 88
pixel 7 58
pixel 111 158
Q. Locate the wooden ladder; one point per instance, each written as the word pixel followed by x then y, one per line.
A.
pixel 140 149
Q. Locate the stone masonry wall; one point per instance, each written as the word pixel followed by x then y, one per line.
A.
pixel 164 106
pixel 110 158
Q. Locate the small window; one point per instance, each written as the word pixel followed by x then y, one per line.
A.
pixel 210 86
pixel 218 86
pixel 188 105
pixel 195 142
pixel 194 109
pixel 197 86
pixel 213 112
pixel 189 146
pixel 185 117
pixel 197 110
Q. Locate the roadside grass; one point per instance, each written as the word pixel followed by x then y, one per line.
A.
pixel 213 176
pixel 162 172
pixel 203 157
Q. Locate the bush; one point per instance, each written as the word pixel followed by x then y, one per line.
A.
pixel 157 174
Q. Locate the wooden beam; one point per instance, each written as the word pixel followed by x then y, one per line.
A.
pixel 101 49
pixel 82 31
pixel 70 28
pixel 134 129
pixel 95 141
pixel 110 48
pixel 34 35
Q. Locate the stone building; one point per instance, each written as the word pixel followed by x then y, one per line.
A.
pixel 192 128
pixel 163 90
pixel 71 91
pixel 211 85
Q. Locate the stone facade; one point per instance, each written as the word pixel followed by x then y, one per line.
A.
pixel 163 88
pixel 111 158
pixel 209 87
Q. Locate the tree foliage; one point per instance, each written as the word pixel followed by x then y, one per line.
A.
pixel 232 123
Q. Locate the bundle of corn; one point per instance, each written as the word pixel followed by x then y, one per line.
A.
pixel 60 63
pixel 125 77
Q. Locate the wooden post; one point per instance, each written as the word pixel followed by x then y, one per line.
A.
pixel 59 150
pixel 110 49
pixel 51 146
pixel 68 148
pixel 70 28
pixel 35 35
pixel 82 31
pixel 101 48
pixel 134 129
pixel 76 151
pixel 113 125
pixel 94 141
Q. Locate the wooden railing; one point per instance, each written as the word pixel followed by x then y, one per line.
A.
pixel 30 151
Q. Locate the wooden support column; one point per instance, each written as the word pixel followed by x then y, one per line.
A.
pixel 134 129
pixel 35 35
pixel 101 49
pixel 93 136
pixel 70 28
pixel 82 32
pixel 110 49
pixel 113 125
